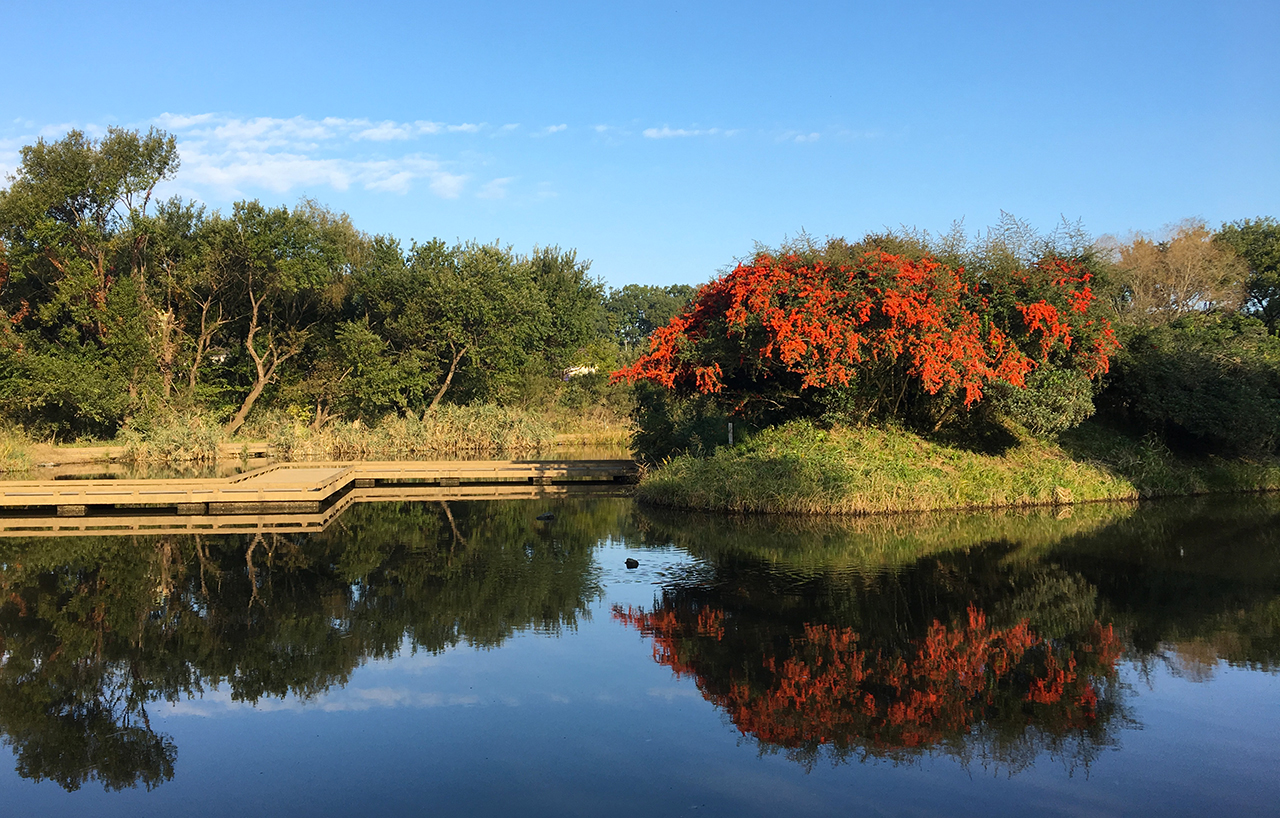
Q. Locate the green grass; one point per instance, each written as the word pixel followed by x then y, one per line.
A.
pixel 798 468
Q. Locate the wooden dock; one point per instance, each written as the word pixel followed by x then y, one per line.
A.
pixel 309 490
pixel 118 522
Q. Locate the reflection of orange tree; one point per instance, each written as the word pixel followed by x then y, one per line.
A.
pixel 829 686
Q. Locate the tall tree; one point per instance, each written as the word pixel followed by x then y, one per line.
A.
pixel 1187 272
pixel 1257 241
pixel 281 265
pixel 636 310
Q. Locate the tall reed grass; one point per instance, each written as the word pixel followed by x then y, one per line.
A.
pixel 15 452
pixel 445 431
pixel 178 438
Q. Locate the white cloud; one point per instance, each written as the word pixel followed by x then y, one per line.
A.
pixel 495 188
pixel 385 131
pixel 447 185
pixel 671 133
pixel 175 122
pixel 232 172
pixel 550 129
pixel 233 155
pixel 299 131
pixel 218 702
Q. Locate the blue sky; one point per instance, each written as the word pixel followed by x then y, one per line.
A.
pixel 663 139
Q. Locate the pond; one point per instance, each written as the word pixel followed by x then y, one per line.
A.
pixel 471 658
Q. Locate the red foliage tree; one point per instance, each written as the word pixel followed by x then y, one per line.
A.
pixel 885 325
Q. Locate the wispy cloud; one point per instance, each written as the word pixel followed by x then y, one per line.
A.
pixel 550 129
pixel 495 189
pixel 232 155
pixel 666 132
pixel 799 136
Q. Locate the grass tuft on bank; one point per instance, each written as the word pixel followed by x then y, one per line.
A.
pixel 799 468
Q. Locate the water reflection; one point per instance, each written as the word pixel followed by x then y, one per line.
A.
pixel 992 638
pixel 896 672
pixel 92 631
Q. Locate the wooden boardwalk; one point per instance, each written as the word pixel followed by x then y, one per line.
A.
pixel 105 523
pixel 292 488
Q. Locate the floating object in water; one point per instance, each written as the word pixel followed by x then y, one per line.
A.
pixel 546 516
pixel 632 563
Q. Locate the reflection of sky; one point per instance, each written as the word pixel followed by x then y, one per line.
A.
pixel 588 724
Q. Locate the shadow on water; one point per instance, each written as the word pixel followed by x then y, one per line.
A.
pixel 994 638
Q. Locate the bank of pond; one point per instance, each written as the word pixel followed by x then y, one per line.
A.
pixel 461 638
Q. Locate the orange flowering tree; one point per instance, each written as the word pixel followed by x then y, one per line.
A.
pixel 891 335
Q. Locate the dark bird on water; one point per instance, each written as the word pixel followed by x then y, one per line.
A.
pixel 633 563
pixel 547 516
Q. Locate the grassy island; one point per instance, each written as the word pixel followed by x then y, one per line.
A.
pixel 799 468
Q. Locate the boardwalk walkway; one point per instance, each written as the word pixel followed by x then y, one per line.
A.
pixel 299 496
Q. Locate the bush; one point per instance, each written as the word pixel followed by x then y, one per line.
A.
pixel 1053 401
pixel 672 425
pixel 1204 382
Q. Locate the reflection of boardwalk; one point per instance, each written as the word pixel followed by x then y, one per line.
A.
pixel 296 497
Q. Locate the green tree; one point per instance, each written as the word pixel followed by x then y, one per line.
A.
pixel 82 329
pixel 636 310
pixel 281 266
pixel 1257 241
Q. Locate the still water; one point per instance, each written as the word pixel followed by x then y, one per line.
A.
pixel 471 659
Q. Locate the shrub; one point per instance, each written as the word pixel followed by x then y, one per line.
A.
pixel 1206 381
pixel 1053 401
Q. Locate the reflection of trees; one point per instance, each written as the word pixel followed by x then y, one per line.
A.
pixel 790 624
pixel 1193 582
pixel 916 676
pixel 92 631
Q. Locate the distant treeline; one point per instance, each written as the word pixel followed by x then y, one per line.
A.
pixel 118 310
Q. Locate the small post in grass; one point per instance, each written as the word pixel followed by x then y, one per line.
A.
pixel 730 434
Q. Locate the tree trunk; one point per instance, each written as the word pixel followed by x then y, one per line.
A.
pixel 453 367
pixel 265 366
pixel 263 374
pixel 207 331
